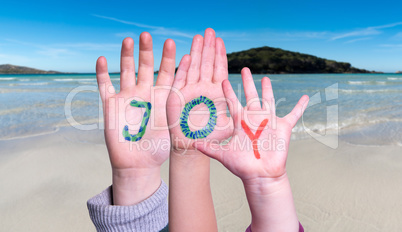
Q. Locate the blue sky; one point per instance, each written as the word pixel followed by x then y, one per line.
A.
pixel 70 35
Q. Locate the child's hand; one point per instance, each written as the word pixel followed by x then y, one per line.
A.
pixel 136 156
pixel 200 74
pixel 257 153
pixel 259 144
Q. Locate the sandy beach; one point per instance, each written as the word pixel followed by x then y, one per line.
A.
pixel 46 181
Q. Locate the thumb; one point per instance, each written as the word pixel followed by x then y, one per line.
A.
pixel 212 150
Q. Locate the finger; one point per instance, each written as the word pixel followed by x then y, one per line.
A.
pixel 297 111
pixel 105 86
pixel 181 74
pixel 221 62
pixel 195 53
pixel 145 61
pixel 168 64
pixel 253 102
pixel 212 150
pixel 208 56
pixel 268 100
pixel 234 105
pixel 127 67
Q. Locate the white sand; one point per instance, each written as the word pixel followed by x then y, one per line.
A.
pixel 352 188
pixel 46 181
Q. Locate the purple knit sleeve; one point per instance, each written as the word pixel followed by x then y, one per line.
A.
pixel 150 214
pixel 301 229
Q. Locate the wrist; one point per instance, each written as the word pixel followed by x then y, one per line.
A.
pixel 271 204
pixel 188 157
pixel 265 186
pixel 189 165
pixel 131 186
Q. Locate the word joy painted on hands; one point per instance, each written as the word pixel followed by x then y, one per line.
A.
pixel 254 137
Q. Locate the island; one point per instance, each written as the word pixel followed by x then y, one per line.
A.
pixel 14 69
pixel 262 60
pixel 269 60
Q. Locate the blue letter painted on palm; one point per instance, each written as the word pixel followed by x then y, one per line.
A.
pixel 204 132
pixel 145 119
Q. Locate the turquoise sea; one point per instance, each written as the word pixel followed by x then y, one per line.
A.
pixel 363 109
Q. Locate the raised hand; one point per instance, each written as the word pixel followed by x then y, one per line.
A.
pixel 259 144
pixel 196 110
pixel 257 153
pixel 136 131
pixel 199 78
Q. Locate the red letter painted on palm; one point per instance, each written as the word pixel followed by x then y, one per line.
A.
pixel 254 137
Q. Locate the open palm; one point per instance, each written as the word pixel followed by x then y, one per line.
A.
pixel 266 158
pixel 152 148
pixel 200 74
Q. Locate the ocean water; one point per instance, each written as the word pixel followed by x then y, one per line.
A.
pixel 364 109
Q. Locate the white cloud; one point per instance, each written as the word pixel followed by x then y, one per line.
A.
pixel 366 31
pixel 126 22
pixel 363 32
pixel 359 39
pixel 157 30
pixel 388 25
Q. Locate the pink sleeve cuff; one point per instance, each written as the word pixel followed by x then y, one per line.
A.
pixel 301 229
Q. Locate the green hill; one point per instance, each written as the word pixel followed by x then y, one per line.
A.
pixel 274 60
pixel 14 69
